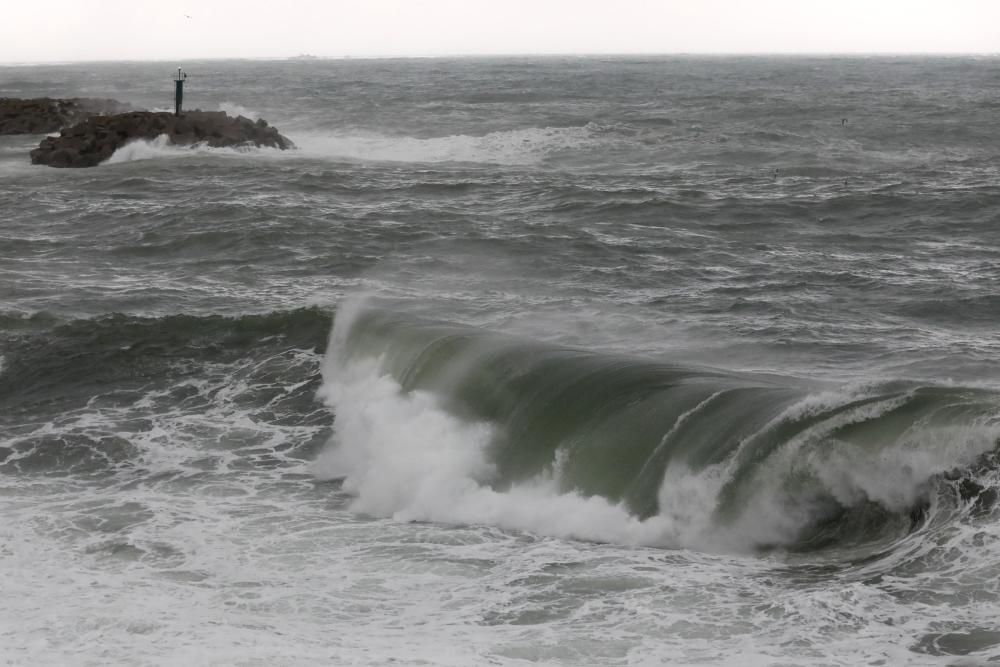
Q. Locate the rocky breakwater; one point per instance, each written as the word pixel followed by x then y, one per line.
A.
pixel 42 115
pixel 95 140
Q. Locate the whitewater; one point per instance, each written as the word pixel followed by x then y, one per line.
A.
pixel 556 361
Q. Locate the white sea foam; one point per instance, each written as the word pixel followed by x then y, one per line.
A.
pixel 161 148
pixel 510 147
pixel 235 110
pixel 894 472
pixel 513 147
pixel 403 456
pixel 144 149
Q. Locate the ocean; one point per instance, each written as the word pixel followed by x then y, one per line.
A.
pixel 513 361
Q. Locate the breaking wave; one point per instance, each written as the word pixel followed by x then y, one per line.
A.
pixel 526 146
pixel 511 147
pixel 439 422
pixel 161 148
pixel 514 147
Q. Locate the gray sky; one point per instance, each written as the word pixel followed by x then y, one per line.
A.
pixel 57 30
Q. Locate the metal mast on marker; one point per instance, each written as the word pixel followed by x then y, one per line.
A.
pixel 179 91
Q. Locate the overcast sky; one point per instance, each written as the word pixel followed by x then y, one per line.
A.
pixel 58 30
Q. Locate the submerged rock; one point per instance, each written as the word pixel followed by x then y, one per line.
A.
pixel 95 140
pixel 42 115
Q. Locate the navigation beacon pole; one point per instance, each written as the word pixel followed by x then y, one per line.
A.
pixel 179 91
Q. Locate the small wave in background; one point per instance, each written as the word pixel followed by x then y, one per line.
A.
pixel 513 147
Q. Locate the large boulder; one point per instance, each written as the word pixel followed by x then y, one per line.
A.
pixel 42 115
pixel 94 140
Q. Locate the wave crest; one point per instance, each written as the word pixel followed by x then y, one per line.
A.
pixel 444 423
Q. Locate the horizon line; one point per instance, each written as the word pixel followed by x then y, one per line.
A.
pixel 305 57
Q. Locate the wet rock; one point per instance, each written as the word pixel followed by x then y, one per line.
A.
pixel 94 140
pixel 43 115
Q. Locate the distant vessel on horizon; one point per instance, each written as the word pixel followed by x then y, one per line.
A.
pixel 305 56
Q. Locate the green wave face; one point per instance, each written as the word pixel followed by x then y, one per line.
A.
pixel 772 461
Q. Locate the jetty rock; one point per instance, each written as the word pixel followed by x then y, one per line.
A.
pixel 42 115
pixel 94 140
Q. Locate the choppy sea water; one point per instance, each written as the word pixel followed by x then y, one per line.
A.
pixel 583 361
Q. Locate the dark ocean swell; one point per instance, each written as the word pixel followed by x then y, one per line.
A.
pixel 779 461
pixel 95 395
